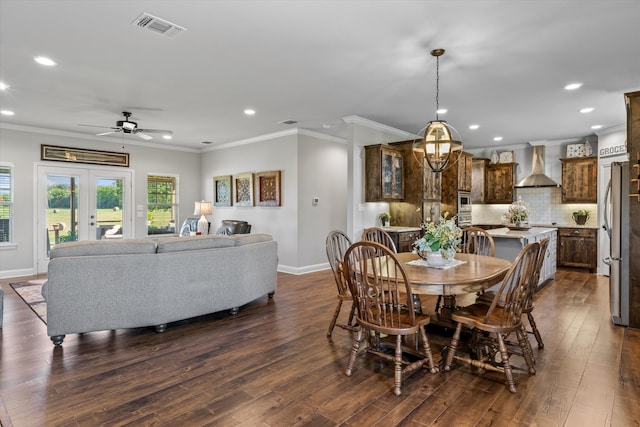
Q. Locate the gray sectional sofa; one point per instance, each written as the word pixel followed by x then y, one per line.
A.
pixel 113 284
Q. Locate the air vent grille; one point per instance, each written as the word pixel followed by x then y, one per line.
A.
pixel 288 122
pixel 158 25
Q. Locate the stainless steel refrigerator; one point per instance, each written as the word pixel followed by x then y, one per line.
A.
pixel 617 227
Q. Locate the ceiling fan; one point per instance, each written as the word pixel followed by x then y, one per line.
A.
pixel 128 126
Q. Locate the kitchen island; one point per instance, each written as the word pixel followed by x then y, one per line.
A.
pixel 509 243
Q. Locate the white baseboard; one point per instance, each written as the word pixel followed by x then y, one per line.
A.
pixel 303 270
pixel 7 274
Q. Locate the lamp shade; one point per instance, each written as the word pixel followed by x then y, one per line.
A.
pixel 203 208
pixel 438 145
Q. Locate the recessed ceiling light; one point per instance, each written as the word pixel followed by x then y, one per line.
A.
pixel 596 127
pixel 7 113
pixel 42 60
pixel 4 86
pixel 474 127
pixel 587 110
pixel 497 138
pixel 167 136
pixel 442 111
pixel 249 112
pixel 573 86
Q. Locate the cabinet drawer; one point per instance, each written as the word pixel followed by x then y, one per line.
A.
pixel 408 236
pixel 582 232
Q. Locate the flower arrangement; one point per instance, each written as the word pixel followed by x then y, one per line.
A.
pixel 384 217
pixel 443 237
pixel 517 213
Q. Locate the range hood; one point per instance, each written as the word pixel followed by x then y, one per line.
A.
pixel 537 177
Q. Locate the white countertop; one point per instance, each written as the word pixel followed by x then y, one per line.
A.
pixel 518 234
pixel 400 229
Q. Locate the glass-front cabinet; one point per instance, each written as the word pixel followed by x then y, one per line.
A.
pixel 384 174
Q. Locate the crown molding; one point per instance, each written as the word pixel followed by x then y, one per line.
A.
pixel 378 126
pixel 103 139
pixel 275 135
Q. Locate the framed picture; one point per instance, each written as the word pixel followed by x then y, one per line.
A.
pixel 506 157
pixel 267 186
pixel 222 190
pixel 575 150
pixel 243 189
pixel 81 155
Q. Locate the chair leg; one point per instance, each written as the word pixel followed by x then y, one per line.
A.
pixel 397 364
pixel 352 314
pixel 354 352
pixel 527 352
pixel 335 318
pixel 453 346
pixel 426 347
pixel 534 327
pixel 505 363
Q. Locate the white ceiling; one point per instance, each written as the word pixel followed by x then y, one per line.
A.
pixel 317 62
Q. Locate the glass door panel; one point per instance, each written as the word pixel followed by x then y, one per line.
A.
pixel 62 193
pixel 109 208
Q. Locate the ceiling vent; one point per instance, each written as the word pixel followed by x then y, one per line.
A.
pixel 288 122
pixel 158 26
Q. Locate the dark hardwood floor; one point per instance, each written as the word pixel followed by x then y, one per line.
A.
pixel 272 365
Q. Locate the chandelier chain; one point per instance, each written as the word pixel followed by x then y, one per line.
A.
pixel 437 86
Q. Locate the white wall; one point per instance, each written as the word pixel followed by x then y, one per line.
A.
pixel 311 165
pixel 322 173
pixel 22 148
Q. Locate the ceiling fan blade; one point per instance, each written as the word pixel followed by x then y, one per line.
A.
pixel 144 136
pixel 96 126
pixel 107 133
pixel 166 132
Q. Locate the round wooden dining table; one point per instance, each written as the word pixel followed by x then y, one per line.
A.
pixel 475 273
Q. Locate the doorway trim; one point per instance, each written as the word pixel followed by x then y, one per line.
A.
pixel 43 168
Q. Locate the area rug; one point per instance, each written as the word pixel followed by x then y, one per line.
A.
pixel 30 292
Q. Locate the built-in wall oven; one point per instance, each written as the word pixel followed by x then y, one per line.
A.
pixel 464 208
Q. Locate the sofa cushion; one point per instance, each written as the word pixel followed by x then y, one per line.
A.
pixel 247 239
pixel 103 247
pixel 193 243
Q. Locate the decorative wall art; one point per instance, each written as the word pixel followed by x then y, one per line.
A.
pixel 222 190
pixel 81 155
pixel 243 189
pixel 267 186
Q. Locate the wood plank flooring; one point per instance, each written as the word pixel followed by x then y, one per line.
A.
pixel 272 365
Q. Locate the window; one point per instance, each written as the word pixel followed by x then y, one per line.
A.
pixel 162 204
pixel 6 203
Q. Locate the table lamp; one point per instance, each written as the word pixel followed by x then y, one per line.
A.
pixel 203 208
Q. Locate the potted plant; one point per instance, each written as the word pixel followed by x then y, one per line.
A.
pixel 517 215
pixel 439 240
pixel 384 218
pixel 581 216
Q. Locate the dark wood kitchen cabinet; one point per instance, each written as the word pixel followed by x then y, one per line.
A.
pixel 404 238
pixel 580 180
pixel 578 247
pixel 498 183
pixel 384 174
pixel 478 167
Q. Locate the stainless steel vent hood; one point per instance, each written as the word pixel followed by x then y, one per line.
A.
pixel 537 177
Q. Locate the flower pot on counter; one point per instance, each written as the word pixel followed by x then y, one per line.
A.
pixel 580 219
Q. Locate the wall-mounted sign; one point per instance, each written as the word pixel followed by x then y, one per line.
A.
pixel 612 151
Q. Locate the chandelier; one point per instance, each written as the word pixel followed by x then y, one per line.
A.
pixel 440 140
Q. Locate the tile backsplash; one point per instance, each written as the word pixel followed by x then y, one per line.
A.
pixel 545 207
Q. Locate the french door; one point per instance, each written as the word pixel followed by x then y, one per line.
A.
pixel 75 203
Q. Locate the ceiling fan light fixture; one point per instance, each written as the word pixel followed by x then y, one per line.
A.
pixel 440 140
pixel 127 125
